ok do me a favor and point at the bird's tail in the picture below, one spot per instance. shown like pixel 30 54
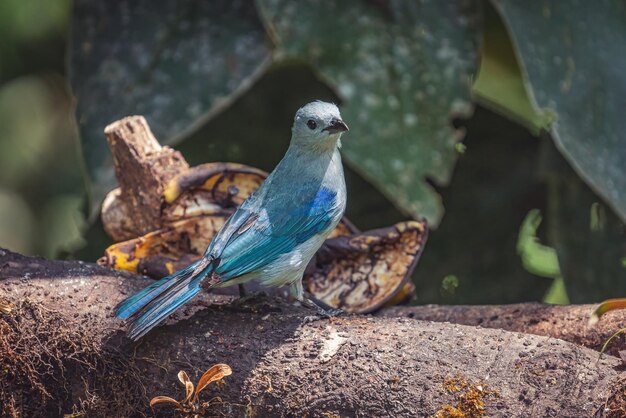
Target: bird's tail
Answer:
pixel 152 305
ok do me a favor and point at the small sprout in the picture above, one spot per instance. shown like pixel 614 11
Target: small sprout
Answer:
pixel 604 307
pixel 449 284
pixel 608 340
pixel 190 403
pixel 460 147
pixel 214 374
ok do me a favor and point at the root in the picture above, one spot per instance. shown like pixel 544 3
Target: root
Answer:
pixel 39 348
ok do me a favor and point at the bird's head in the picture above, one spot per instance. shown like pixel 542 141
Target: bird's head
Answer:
pixel 318 125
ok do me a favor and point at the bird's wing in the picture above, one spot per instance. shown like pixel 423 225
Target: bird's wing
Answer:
pixel 266 234
pixel 230 229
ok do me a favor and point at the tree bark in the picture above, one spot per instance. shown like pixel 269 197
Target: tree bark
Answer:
pixel 567 322
pixel 62 352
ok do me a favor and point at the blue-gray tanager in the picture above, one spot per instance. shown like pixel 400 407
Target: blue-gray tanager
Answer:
pixel 273 235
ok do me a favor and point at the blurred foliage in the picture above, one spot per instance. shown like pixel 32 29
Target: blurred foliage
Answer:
pixel 176 63
pixel 540 259
pixel 137 57
pixel 589 238
pixel 40 180
pixel 402 71
pixel 31 33
pixel 536 258
pixel 494 187
pixel 572 57
pixel 499 84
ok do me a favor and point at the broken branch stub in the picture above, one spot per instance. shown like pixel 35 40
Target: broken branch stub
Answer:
pixel 142 168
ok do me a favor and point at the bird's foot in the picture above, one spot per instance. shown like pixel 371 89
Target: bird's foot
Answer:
pixel 245 296
pixel 242 291
pixel 322 310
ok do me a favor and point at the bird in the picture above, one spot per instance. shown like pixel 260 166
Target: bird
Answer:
pixel 272 235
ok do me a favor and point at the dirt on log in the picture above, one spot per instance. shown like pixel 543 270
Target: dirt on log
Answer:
pixel 567 322
pixel 63 352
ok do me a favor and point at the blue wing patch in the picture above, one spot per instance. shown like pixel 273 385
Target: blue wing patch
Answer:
pixel 277 233
pixel 323 200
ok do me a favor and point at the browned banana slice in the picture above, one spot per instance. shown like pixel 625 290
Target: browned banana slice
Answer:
pixel 229 184
pixel 174 247
pixel 166 250
pixel 360 273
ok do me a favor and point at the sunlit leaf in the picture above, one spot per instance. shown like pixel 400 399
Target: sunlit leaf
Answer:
pixel 537 258
pixel 402 70
pixel 184 379
pixel 157 400
pixel 500 84
pixel 604 307
pixel 176 63
pixel 572 56
pixel 215 373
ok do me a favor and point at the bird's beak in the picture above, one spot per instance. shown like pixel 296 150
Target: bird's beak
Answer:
pixel 336 126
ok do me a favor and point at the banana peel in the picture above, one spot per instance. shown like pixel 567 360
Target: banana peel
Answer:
pixel 360 273
pixel 229 183
pixel 355 271
pixel 174 247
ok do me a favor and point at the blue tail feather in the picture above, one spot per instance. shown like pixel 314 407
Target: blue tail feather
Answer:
pixel 161 309
pixel 153 304
pixel 140 299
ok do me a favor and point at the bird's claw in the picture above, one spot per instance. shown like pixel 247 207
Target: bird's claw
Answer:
pixel 323 311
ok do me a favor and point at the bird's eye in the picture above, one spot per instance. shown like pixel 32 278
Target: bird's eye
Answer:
pixel 311 124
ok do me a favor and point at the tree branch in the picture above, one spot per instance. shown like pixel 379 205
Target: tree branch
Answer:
pixel 62 351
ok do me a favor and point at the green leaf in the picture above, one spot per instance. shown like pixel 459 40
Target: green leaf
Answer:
pixel 589 251
pixel 557 293
pixel 537 258
pixel 449 284
pixel 402 70
pixel 572 56
pixel 499 84
pixel 176 63
pixel 491 193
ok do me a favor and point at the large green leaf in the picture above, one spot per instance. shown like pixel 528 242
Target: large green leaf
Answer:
pixel 500 85
pixel 176 63
pixel 589 238
pixel 402 70
pixel 493 188
pixel 572 55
